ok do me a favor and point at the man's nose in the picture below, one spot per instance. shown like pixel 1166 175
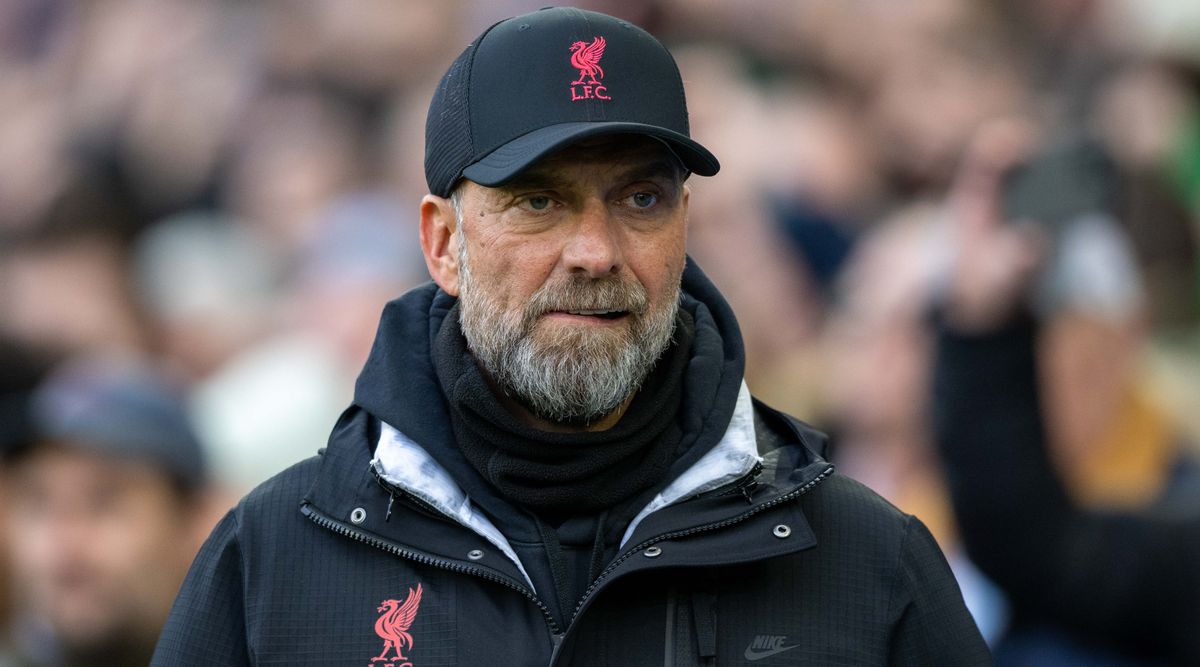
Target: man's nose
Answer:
pixel 594 246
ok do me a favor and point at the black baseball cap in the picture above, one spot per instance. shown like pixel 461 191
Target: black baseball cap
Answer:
pixel 535 83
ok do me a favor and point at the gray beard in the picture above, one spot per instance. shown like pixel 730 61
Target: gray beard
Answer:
pixel 571 375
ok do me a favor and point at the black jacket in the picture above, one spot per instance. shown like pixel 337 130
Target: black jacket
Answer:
pixel 790 564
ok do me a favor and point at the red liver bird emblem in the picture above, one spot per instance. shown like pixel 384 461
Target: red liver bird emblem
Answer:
pixel 586 58
pixel 392 626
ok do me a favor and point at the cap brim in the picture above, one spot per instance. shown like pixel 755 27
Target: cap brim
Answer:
pixel 502 164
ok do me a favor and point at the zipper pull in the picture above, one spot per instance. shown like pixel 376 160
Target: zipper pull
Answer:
pixel 749 483
pixel 391 499
pixel 746 492
pixel 556 640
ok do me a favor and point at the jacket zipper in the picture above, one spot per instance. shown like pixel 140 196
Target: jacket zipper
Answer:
pixel 685 533
pixel 454 566
pixel 747 483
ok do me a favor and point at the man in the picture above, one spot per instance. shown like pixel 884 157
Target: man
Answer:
pixel 551 457
pixel 104 514
pixel 1086 585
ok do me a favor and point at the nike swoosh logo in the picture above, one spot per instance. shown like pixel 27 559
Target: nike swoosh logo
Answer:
pixel 752 654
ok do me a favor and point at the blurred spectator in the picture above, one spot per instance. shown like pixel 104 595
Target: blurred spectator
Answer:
pixel 367 49
pixel 209 287
pixel 106 510
pixel 363 254
pixel 1069 492
pixel 732 229
pixel 299 375
pixel 298 151
pixel 1144 114
pixel 944 67
pixel 70 291
pixel 1110 438
pixel 22 368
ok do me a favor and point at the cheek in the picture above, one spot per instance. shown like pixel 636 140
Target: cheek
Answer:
pixel 512 272
pixel 658 262
pixel 32 547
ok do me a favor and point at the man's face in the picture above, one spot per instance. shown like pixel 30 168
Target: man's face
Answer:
pixel 569 276
pixel 98 547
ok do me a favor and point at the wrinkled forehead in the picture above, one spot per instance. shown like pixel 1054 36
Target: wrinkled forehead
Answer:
pixel 622 153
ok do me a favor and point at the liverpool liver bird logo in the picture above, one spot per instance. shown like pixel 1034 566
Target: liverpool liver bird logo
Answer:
pixel 392 626
pixel 586 58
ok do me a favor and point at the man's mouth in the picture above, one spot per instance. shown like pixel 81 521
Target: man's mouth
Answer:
pixel 602 314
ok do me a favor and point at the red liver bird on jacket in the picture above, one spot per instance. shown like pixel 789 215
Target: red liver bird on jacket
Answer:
pixel 392 626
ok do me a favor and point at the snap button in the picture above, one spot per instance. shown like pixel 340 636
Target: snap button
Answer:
pixel 475 554
pixel 652 552
pixel 358 516
pixel 781 531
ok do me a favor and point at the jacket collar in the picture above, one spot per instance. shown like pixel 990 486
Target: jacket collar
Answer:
pixel 348 491
pixel 404 464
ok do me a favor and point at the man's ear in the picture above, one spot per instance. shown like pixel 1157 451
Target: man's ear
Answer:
pixel 439 243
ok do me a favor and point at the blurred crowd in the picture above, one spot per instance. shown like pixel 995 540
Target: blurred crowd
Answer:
pixel 204 206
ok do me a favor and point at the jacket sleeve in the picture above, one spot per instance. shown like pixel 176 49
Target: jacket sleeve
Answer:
pixel 1129 580
pixel 207 623
pixel 934 626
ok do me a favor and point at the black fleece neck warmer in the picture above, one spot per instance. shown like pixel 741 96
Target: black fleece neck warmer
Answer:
pixel 557 475
pixel 400 386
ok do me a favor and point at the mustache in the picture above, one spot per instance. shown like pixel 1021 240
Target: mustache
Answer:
pixel 612 294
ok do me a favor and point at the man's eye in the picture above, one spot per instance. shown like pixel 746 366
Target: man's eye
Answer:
pixel 538 203
pixel 643 199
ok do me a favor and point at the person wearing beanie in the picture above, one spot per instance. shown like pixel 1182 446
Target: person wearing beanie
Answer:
pixel 552 456
pixel 104 500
